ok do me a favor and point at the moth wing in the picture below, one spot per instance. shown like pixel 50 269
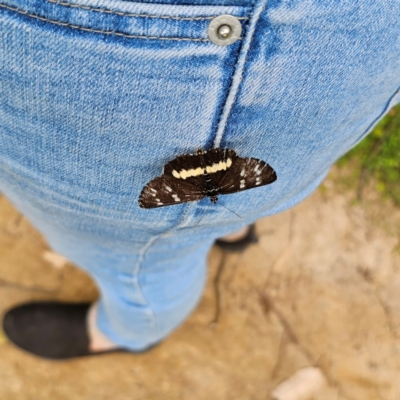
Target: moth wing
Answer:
pixel 186 162
pixel 246 173
pixel 166 190
pixel 182 162
pixel 194 161
pixel 214 156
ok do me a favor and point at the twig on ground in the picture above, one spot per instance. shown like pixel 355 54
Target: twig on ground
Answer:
pixel 268 304
pixel 18 220
pixel 279 357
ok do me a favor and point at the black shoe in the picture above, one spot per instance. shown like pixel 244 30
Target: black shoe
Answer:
pixel 52 330
pixel 241 244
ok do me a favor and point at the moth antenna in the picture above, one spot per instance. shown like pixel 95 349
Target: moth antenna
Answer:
pixel 204 213
pixel 231 210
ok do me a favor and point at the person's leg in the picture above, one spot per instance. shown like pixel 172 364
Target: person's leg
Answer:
pixel 88 119
pixel 149 282
pixel 141 304
pixel 93 105
pixel 149 293
pixel 97 340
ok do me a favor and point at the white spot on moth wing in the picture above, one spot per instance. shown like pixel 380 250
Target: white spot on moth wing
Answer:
pixel 243 172
pixel 160 204
pixel 153 190
pixel 257 169
pixel 175 197
pixel 258 181
pixel 168 188
pixel 242 184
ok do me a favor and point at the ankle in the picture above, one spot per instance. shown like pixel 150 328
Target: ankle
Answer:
pixel 97 340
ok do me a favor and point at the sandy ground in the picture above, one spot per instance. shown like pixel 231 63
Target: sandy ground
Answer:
pixel 321 288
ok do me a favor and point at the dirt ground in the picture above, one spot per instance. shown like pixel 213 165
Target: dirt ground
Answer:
pixel 321 288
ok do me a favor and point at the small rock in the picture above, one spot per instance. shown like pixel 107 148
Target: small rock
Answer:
pixel 303 385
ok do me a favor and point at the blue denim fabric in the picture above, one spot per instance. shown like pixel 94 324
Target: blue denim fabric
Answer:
pixel 97 95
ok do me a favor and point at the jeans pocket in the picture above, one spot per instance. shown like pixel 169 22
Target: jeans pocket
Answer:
pixel 125 19
pixel 97 95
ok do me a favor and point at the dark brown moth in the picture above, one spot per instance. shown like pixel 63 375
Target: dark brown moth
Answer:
pixel 192 177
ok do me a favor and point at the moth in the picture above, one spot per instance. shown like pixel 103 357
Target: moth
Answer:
pixel 192 177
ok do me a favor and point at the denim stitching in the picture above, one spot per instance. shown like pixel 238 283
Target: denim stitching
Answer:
pixel 146 248
pixel 236 81
pixel 136 273
pixel 98 30
pixel 389 104
pixel 127 14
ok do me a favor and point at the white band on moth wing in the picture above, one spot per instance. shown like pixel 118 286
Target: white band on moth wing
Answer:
pixel 210 169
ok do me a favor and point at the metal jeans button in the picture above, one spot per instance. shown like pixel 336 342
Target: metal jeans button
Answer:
pixel 224 30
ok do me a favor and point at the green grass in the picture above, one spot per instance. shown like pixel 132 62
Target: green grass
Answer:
pixel 377 158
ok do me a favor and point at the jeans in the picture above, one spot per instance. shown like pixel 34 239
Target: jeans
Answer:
pixel 97 95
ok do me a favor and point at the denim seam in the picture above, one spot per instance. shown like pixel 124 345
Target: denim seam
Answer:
pixel 237 78
pixel 142 255
pixel 389 104
pixel 65 24
pixel 128 14
pixel 136 272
